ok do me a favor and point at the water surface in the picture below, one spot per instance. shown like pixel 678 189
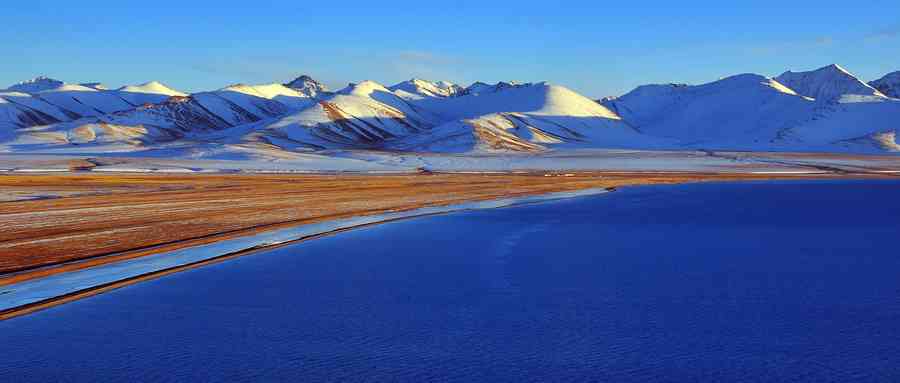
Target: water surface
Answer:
pixel 712 282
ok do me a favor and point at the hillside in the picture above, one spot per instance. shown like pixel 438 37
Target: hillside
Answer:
pixel 361 115
pixel 889 85
pixel 740 110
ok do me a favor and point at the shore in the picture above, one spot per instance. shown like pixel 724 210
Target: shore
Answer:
pixel 63 223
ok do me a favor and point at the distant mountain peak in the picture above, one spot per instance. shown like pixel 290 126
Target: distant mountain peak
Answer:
pixel 307 85
pixel 827 83
pixel 837 68
pixel 416 87
pixel 364 88
pixel 152 87
pixel 479 87
pixel 889 85
pixel 303 79
pixel 95 85
pixel 37 84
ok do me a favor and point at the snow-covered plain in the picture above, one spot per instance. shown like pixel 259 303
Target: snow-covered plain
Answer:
pixel 301 125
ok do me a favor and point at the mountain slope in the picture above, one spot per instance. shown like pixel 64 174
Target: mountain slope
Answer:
pixel 13 117
pixel 361 115
pixel 34 110
pixel 84 101
pixel 67 102
pixel 856 123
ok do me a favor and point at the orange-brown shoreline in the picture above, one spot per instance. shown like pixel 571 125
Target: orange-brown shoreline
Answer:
pixel 354 194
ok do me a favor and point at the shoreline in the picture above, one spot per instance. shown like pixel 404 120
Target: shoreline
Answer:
pixel 67 220
pixel 244 246
pixel 58 284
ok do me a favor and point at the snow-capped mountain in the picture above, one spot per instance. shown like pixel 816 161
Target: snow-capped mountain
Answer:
pixel 889 85
pixel 526 118
pixel 417 88
pixel 307 86
pixel 744 109
pixel 827 109
pixel 95 85
pixel 523 118
pixel 152 92
pixel 65 102
pixel 483 88
pixel 826 84
pixel 143 115
pixel 832 111
pixel 36 85
pixel 361 115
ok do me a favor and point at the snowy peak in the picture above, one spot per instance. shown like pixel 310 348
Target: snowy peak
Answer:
pixel 423 88
pixel 483 88
pixel 826 84
pixel 538 98
pixel 95 85
pixel 152 92
pixel 152 87
pixel 363 115
pixel 307 85
pixel 364 89
pixel 835 68
pixel 889 85
pixel 290 97
pixel 750 80
pixel 37 84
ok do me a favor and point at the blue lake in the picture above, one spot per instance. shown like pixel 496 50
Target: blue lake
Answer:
pixel 769 281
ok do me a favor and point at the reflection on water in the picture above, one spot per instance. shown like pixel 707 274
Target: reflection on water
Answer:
pixel 712 282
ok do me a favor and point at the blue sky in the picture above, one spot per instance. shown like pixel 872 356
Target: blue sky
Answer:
pixel 595 47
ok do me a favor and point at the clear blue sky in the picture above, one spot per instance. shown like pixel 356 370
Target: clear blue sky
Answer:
pixel 595 47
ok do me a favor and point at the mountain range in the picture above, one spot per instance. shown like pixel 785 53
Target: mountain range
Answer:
pixel 825 110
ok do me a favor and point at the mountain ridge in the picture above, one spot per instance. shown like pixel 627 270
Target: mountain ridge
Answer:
pixel 826 84
pixel 826 109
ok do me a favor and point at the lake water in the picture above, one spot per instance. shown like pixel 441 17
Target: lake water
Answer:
pixel 709 282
